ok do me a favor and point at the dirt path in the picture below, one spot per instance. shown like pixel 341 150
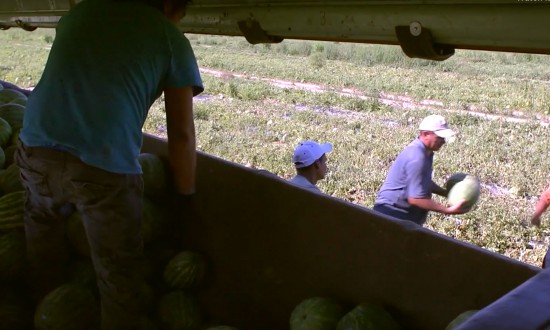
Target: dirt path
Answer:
pixel 392 100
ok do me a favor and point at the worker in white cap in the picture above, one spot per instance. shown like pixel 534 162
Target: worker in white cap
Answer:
pixel 407 191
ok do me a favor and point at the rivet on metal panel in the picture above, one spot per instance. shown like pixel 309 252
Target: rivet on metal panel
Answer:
pixel 415 28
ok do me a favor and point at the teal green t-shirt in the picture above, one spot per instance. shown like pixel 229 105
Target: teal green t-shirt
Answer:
pixel 109 62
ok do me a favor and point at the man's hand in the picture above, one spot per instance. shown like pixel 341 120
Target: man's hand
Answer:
pixel 456 208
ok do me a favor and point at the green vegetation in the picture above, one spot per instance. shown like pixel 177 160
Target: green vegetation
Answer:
pixel 261 100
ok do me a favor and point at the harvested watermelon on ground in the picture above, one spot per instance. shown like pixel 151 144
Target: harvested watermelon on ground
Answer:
pixel 68 307
pixel 185 271
pixel 316 313
pixel 12 254
pixel 368 316
pixel 11 210
pixel 461 318
pixel 179 310
pixel 154 175
pixel 467 189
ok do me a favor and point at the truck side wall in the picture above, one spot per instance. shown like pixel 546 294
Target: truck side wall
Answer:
pixel 271 245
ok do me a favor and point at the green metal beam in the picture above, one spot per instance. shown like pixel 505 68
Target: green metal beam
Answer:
pixel 517 26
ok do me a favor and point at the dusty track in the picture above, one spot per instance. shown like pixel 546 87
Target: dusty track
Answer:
pixel 392 100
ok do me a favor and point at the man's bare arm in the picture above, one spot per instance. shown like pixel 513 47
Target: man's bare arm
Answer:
pixel 181 138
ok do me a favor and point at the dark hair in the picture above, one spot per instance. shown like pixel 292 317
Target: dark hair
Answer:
pixel 159 4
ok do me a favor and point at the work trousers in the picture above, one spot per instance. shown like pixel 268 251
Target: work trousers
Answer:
pixel 110 204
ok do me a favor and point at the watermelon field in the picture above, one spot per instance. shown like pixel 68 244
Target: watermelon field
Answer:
pixel 367 100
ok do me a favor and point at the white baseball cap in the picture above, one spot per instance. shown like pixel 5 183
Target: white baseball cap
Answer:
pixel 436 124
pixel 307 152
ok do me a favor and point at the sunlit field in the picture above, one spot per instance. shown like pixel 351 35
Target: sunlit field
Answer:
pixel 367 100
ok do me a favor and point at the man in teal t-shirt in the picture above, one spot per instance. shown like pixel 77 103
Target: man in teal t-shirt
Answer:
pixel 82 135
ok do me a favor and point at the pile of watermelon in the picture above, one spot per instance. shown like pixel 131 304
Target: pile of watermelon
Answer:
pixel 175 275
pixel 323 313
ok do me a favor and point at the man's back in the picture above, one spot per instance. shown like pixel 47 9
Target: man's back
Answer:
pixel 108 64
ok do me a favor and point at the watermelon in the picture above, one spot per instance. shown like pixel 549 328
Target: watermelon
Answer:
pixel 467 189
pixel 8 95
pixel 69 306
pixel 9 153
pixel 316 313
pixel 461 318
pixel 10 180
pixel 154 175
pixel 13 114
pixel 185 271
pixel 19 101
pixel 5 133
pixel 12 210
pixel 368 316
pixel 77 234
pixel 12 254
pixel 179 310
pixel 453 179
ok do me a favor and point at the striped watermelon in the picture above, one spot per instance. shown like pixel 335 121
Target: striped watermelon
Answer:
pixel 185 271
pixel 5 133
pixel 467 189
pixel 8 95
pixel 12 254
pixel 13 114
pixel 68 307
pixel 10 180
pixel 317 313
pixel 368 317
pixel 11 210
pixel 154 175
pixel 9 153
pixel 179 310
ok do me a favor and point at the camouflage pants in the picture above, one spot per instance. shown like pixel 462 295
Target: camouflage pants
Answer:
pixel 58 183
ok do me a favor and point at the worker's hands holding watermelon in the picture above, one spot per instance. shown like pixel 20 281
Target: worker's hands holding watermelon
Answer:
pixel 457 208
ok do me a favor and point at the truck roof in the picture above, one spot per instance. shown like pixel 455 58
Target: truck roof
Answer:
pixel 430 29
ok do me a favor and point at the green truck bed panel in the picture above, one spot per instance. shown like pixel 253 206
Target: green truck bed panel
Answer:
pixel 271 245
